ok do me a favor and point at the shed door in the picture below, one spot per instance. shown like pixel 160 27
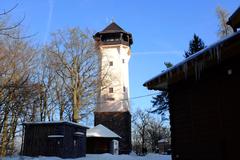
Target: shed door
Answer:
pixel 78 144
pixel 55 146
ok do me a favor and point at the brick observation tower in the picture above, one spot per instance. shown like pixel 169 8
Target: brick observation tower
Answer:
pixel 113 108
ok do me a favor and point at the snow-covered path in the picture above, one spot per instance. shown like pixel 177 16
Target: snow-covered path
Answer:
pixel 100 157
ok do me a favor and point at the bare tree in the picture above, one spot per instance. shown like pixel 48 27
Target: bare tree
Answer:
pixel 147 131
pixel 17 91
pixel 141 123
pixel 45 77
pixel 75 61
pixel 223 28
pixel 6 26
pixel 155 133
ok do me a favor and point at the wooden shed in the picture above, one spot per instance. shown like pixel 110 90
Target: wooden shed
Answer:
pixel 204 102
pixel 61 139
pixel 100 139
pixel 164 146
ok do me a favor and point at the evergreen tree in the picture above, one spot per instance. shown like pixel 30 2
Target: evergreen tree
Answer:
pixel 195 45
pixel 160 103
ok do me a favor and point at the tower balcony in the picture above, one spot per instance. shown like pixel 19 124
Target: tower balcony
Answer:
pixel 113 42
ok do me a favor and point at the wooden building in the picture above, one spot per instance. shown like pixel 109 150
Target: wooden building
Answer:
pixel 61 139
pixel 100 139
pixel 204 101
pixel 164 146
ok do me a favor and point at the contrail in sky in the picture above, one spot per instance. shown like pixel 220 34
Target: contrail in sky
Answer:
pixel 157 52
pixel 49 20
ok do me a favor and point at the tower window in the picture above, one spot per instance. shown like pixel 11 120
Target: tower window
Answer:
pixel 111 63
pixel 123 60
pixel 110 99
pixel 124 89
pixel 110 90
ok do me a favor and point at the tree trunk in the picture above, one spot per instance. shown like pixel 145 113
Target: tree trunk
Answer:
pixel 41 104
pixel 12 133
pixel 61 103
pixel 143 144
pixel 44 105
pixel 1 126
pixel 3 150
pixel 61 111
pixel 75 107
pixel 33 118
pixel 75 88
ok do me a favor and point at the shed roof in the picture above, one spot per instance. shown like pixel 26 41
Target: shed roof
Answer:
pixel 101 131
pixel 53 122
pixel 195 64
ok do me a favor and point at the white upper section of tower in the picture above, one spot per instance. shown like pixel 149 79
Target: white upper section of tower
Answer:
pixel 114 93
pixel 114 46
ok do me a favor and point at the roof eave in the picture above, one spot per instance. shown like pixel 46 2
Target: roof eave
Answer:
pixel 170 76
pixel 234 19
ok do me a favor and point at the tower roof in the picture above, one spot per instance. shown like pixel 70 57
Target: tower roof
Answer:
pixel 111 31
pixel 113 27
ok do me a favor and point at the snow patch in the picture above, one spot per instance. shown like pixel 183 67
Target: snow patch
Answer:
pixel 105 156
pixel 55 136
pixel 78 133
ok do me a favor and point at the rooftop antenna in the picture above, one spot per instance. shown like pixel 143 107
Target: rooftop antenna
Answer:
pixel 109 20
pixel 112 20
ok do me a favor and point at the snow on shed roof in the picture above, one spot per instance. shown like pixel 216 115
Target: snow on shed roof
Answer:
pixel 53 122
pixel 101 131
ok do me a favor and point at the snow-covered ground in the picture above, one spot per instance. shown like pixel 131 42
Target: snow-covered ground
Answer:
pixel 105 156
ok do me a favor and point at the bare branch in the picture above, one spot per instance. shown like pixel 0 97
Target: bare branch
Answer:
pixel 8 11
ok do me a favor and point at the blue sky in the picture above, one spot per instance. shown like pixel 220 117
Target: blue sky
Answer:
pixel 161 29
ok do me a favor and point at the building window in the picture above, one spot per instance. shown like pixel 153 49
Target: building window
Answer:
pixel 110 90
pixel 123 60
pixel 111 63
pixel 124 89
pixel 110 99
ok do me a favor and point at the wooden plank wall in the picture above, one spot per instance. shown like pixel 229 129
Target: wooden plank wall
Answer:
pixel 120 123
pixel 204 114
pixel 98 145
pixel 36 141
